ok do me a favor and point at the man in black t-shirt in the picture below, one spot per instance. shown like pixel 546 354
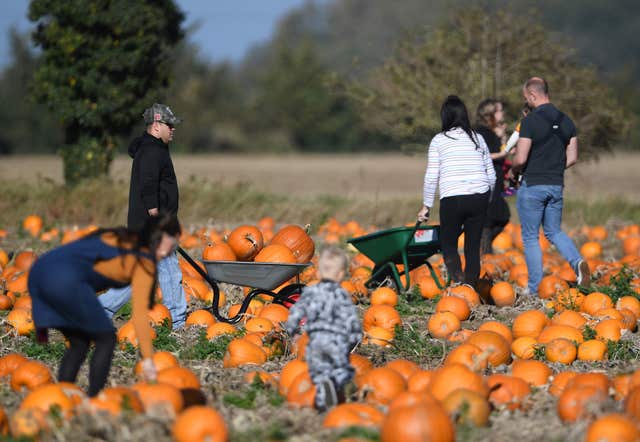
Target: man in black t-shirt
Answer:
pixel 548 145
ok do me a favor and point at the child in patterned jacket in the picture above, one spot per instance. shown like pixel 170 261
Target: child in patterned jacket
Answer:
pixel 333 326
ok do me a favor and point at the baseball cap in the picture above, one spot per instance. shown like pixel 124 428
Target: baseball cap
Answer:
pixel 162 113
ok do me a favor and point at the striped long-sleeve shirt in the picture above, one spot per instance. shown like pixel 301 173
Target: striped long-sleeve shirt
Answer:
pixel 457 166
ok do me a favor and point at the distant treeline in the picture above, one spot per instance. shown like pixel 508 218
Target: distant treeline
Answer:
pixel 366 75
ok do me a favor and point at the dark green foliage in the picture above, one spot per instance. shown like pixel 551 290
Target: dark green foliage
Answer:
pixel 50 352
pixel 103 62
pixel 619 285
pixel 247 397
pixel 204 349
pixel 414 345
pixel 360 433
pixel 164 340
pixel 623 350
pixel 589 333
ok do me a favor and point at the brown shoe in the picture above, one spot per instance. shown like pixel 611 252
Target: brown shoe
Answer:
pixel 584 275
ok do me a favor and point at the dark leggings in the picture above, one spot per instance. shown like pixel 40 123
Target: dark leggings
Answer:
pixel 75 355
pixel 456 213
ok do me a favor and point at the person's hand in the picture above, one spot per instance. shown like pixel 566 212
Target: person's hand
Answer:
pixel 153 212
pixel 423 214
pixel 149 370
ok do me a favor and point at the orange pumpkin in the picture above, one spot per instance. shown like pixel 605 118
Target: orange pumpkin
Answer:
pixel 453 376
pixel 550 285
pixel 296 239
pixel 220 328
pixel 353 415
pixel 560 382
pixel 592 350
pixel 161 359
pixel 524 347
pixel 9 362
pixel 552 332
pixel 468 407
pixel 529 323
pixel 246 242
pixel 576 402
pixel 21 321
pixel 159 398
pixel 219 251
pixel 160 315
pixel 532 372
pixel 468 355
pixel 441 325
pixel 418 423
pixel 613 427
pixel 289 372
pixel 596 301
pixel 498 349
pixel 242 352
pixel 199 424
pixel 499 328
pixel 276 253
pixel 561 350
pixel 383 316
pixel 382 385
pixel 302 391
pixel 200 318
pixel 30 375
pixel 384 295
pixel 378 336
pixel 508 391
pixel 502 294
pixel 455 305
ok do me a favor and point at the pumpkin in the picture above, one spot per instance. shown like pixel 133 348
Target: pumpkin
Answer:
pixel 419 381
pixel 127 335
pixel 30 375
pixel 577 402
pixel 596 301
pixel 9 362
pixel 381 385
pixel 453 376
pixel 378 336
pixel 498 349
pixel 443 324
pixel 6 303
pixel 533 372
pixel 353 415
pixel 497 327
pixel 524 347
pixel 259 325
pixel 21 321
pixel 114 400
pixel 219 251
pixel 261 376
pixel 220 328
pixel 200 424
pixel 28 423
pixel 160 315
pixel 384 295
pixel 550 285
pixel 592 350
pixel 428 287
pixel 46 396
pixel 200 318
pixel 560 382
pixel 24 260
pixel 570 318
pixel 502 294
pixel 621 385
pixel 457 306
pixel 469 355
pixel 468 407
pixel 276 253
pixel 569 299
pixel 467 293
pixel 246 242
pixel 242 352
pixel 160 398
pixel 629 302
pixel 296 239
pixel 597 380
pixel 161 360
pixel 288 373
pixel 609 330
pixel 403 366
pixel 383 316
pixel 508 391
pixel 529 323
pixel 419 423
pixel 23 302
pixel 561 350
pixel 275 313
pixel 613 427
pixel 301 392
pixel 551 332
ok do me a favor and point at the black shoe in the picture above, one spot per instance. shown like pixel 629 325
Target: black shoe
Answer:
pixel 330 395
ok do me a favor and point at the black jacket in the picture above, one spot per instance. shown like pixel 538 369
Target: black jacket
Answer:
pixel 153 180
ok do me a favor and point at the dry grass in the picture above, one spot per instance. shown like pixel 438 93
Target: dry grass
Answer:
pixel 368 176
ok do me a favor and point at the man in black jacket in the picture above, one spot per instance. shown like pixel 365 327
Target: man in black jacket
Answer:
pixel 153 188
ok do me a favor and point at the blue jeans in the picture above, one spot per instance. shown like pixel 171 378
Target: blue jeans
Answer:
pixel 542 205
pixel 169 280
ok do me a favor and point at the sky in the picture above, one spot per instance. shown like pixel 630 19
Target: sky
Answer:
pixel 226 28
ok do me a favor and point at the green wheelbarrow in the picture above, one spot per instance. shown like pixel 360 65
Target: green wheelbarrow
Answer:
pixel 409 246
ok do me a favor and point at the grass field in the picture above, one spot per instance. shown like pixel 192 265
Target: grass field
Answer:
pixel 369 176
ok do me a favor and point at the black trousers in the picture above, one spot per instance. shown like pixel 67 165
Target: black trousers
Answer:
pixel 457 214
pixel 79 341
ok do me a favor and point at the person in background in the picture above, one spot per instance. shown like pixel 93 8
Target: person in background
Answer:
pixel 490 124
pixel 512 187
pixel 459 163
pixel 154 188
pixel 548 145
pixel 64 281
pixel 332 323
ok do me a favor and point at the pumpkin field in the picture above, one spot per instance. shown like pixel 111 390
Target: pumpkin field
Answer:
pixel 435 363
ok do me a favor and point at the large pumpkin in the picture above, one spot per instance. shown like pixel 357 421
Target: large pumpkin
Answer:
pixel 421 422
pixel 297 240
pixel 219 251
pixel 200 424
pixel 246 242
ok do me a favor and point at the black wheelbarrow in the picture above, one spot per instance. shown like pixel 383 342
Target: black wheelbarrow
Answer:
pixel 409 246
pixel 262 277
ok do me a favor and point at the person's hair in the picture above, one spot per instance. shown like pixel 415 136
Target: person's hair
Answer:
pixel 538 85
pixel 454 114
pixel 331 261
pixel 485 114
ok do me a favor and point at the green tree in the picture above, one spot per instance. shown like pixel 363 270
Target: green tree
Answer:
pixel 103 62
pixel 295 96
pixel 466 57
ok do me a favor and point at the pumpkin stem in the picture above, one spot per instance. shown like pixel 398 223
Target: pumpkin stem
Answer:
pixel 307 228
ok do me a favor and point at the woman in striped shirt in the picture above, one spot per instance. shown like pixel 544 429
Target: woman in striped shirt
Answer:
pixel 459 164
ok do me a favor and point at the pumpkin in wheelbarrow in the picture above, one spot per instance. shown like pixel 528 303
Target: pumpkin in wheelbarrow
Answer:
pixel 296 239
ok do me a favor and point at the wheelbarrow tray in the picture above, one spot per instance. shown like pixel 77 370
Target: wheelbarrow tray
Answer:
pixel 261 275
pixel 390 245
